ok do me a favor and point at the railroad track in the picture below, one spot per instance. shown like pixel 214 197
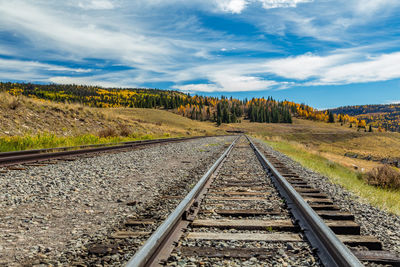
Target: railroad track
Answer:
pixel 245 211
pixel 33 156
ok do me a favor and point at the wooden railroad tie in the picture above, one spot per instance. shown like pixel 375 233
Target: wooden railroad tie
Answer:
pixel 244 224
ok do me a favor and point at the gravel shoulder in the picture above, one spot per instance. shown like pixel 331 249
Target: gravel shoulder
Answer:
pixel 381 224
pixel 50 212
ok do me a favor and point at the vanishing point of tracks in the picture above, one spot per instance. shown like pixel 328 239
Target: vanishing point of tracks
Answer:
pixel 247 212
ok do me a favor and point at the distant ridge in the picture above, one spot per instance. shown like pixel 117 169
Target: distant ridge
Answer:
pixel 386 116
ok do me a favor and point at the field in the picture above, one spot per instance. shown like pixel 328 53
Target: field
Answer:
pixel 330 140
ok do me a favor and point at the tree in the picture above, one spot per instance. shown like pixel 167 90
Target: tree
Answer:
pixel 362 124
pixel 331 118
pixel 225 115
pixel 233 118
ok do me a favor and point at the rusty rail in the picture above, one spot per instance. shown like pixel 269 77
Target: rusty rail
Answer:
pixel 147 254
pixel 331 251
pixel 26 156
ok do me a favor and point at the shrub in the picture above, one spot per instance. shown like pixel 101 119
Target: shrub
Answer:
pixel 125 131
pixel 107 132
pixel 14 104
pixel 384 176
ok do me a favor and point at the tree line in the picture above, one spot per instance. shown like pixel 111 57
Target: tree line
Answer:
pixel 219 110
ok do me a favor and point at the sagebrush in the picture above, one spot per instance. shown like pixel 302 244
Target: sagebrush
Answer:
pixel 384 176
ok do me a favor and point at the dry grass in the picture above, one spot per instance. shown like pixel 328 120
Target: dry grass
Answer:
pixel 331 141
pixel 107 132
pixel 33 116
pixel 124 131
pixel 384 198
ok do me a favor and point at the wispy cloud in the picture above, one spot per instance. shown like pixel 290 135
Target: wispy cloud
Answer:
pixel 32 70
pixel 303 42
pixel 343 68
pixel 393 102
pixel 268 4
pixel 227 83
pixel 96 4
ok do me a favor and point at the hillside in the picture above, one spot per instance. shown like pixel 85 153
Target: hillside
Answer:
pixel 28 117
pixel 202 108
pixel 384 116
pixel 343 145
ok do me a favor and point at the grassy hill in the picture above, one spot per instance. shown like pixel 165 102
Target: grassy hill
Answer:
pixel 384 116
pixel 32 123
pixel 344 145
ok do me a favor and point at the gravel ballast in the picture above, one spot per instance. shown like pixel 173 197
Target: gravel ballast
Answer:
pixel 381 224
pixel 49 214
pixel 241 167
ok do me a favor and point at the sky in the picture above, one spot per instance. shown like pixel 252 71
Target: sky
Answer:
pixel 325 53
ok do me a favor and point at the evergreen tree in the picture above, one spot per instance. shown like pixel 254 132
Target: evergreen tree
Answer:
pixel 331 118
pixel 233 118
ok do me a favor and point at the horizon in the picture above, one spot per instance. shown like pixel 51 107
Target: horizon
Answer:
pixel 300 50
pixel 218 95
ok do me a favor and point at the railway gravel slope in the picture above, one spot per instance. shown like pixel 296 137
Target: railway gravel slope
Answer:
pixel 52 214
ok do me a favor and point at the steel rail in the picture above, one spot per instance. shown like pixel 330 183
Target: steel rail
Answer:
pixel 11 158
pixel 331 251
pixel 144 255
pixel 47 150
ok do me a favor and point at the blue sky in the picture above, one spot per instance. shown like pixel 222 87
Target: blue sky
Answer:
pixel 325 53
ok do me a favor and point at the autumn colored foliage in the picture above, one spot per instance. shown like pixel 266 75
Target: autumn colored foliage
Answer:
pixel 219 110
pixel 382 117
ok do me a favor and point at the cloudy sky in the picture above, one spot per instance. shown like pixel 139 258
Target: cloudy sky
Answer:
pixel 325 53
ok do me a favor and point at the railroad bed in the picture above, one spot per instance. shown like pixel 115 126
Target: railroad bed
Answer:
pixel 99 209
pixel 67 212
pixel 67 153
pixel 238 217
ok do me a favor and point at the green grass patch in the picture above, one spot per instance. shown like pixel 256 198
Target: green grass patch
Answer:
pixel 383 198
pixel 48 140
pixel 212 144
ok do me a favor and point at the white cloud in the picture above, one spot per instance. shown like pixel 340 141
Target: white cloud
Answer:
pixel 304 66
pixel 94 81
pixel 232 6
pixel 268 4
pixel 33 71
pixel 380 68
pixel 371 7
pixel 96 4
pixel 393 102
pixel 342 68
pixel 201 87
pixel 81 38
pixel 15 65
pixel 229 81
pixel 180 49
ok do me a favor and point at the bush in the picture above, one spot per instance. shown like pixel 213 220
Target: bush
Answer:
pixel 14 104
pixel 384 176
pixel 107 132
pixel 125 131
